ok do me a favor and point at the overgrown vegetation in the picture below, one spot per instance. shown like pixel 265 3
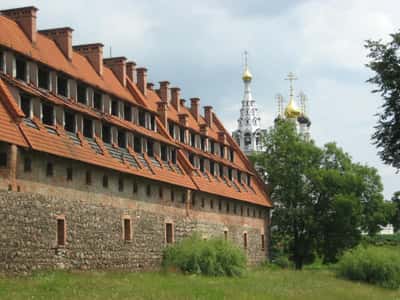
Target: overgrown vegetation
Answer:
pixel 215 257
pixel 376 265
pixel 382 240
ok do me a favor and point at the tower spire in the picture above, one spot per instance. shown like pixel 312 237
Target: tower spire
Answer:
pixel 246 72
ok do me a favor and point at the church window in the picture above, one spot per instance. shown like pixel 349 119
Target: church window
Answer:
pixel 43 78
pixel 82 93
pixel 27 164
pixel 47 114
pixel 61 232
pixel 247 139
pixel 97 101
pixel 3 159
pixel 69 121
pixel 69 174
pixel 26 105
pixel 62 86
pixel 21 71
pixel 49 169
pixel 127 229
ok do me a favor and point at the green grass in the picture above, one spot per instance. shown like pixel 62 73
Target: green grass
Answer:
pixel 259 284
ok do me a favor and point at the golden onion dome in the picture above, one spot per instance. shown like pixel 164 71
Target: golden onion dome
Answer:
pixel 292 111
pixel 247 75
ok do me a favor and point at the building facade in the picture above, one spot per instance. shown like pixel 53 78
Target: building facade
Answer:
pixel 100 170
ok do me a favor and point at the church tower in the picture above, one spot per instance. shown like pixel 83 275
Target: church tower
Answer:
pixel 249 135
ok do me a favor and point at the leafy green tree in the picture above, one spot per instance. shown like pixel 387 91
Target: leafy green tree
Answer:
pixel 395 211
pixel 385 62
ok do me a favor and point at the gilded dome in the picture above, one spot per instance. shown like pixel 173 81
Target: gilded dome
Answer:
pixel 247 75
pixel 292 111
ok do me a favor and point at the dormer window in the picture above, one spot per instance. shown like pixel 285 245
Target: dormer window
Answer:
pixel 121 139
pixel 47 113
pixel 69 121
pixel 164 155
pixel 171 129
pixel 87 128
pixel 152 122
pixel 137 144
pixel 221 170
pixel 222 151
pixel 62 85
pixel 203 143
pixel 230 174
pixel 248 180
pixel 232 155
pixel 114 108
pixel 192 139
pixel 212 145
pixel 127 112
pixel 21 69
pixel 239 176
pixel 202 164
pixel 142 118
pixel 212 167
pixel 97 101
pixel 26 105
pixel 150 148
pixel 173 156
pixel 82 93
pixel 43 78
pixel 182 134
pixel 191 158
pixel 106 134
pixel 2 67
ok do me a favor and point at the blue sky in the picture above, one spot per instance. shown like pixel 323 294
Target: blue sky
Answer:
pixel 198 45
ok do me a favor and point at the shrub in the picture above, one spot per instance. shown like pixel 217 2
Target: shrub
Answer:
pixel 282 262
pixel 382 240
pixel 214 257
pixel 377 265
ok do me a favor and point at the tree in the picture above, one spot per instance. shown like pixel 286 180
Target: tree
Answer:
pixel 395 212
pixel 385 62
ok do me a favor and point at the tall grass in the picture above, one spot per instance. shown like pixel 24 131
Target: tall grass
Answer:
pixel 376 265
pixel 214 257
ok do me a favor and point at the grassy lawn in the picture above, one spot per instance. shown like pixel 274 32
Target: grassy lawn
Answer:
pixel 260 284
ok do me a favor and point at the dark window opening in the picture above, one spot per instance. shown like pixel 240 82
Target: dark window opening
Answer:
pixel 219 205
pixel 241 210
pixel 87 128
pixel 234 208
pixel 49 170
pixel 164 155
pixel 60 232
pixel 230 174
pixel 172 196
pixel 3 159
pixel 227 207
pixel 212 168
pixel 121 139
pixel 135 187
pixel 171 129
pixel 169 233
pixel 173 154
pixel 88 178
pixel 62 86
pixel 127 229
pixel 262 242
pixel 212 147
pixel 47 114
pixel 259 213
pixel 245 240
pixel 142 118
pixel 192 139
pixel 183 197
pixel 225 235
pixel 221 170
pixel 2 61
pixel 222 151
pixel 182 134
pixel 202 202
pixel 152 122
pixel 26 105
pixel 148 190
pixel 27 165
pixel 105 181
pixel 202 164
pixel 239 176
pixel 114 108
pixel 150 148
pixel 160 192
pixel 248 211
pixel 137 144
pixel 69 174
pixel 82 94
pixel 232 155
pixel 203 143
pixel 212 204
pixel 191 158
pixel 106 134
pixel 43 78
pixel 20 69
pixel 193 199
pixel 97 101
pixel 254 212
pixel 127 112
pixel 120 184
pixel 69 119
pixel 248 180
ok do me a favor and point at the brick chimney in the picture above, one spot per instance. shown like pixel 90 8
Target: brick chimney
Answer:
pixel 26 19
pixel 62 37
pixel 94 54
pixel 208 115
pixel 164 90
pixel 162 109
pixel 118 66
pixel 204 129
pixel 175 98
pixel 130 70
pixel 150 86
pixel 195 108
pixel 183 119
pixel 142 80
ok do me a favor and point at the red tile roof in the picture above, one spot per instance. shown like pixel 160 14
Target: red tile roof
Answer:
pixel 56 141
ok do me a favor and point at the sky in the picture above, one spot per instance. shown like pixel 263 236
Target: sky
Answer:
pixel 199 45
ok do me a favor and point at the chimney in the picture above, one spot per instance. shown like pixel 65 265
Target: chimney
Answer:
pixel 183 119
pixel 204 129
pixel 164 90
pixel 26 19
pixel 130 70
pixel 142 80
pixel 162 109
pixel 118 66
pixel 208 115
pixel 195 108
pixel 62 37
pixel 94 54
pixel 222 137
pixel 175 95
pixel 150 86
pixel 182 101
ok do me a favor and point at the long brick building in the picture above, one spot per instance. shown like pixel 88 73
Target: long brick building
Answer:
pixel 98 169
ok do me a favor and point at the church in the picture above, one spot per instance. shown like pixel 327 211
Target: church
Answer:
pixel 101 169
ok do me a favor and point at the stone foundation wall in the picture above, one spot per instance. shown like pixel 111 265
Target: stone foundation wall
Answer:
pixel 94 232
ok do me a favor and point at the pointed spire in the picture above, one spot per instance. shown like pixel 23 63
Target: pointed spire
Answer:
pixel 246 72
pixel 291 110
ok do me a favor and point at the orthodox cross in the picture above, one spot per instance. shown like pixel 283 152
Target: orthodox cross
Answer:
pixel 279 99
pixel 291 77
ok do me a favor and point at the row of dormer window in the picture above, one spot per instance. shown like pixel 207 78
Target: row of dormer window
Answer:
pixel 61 84
pixel 201 142
pixel 109 134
